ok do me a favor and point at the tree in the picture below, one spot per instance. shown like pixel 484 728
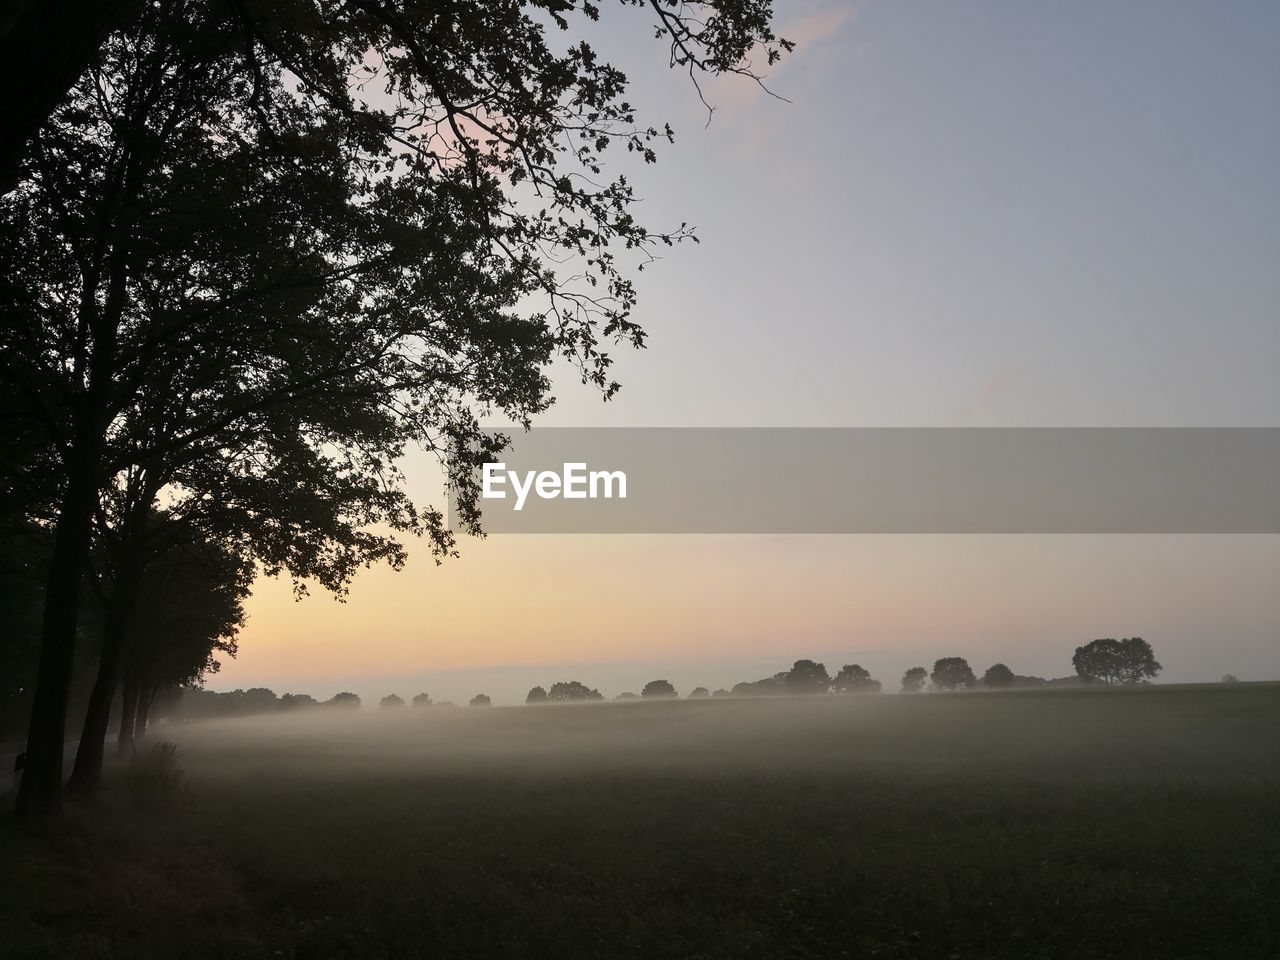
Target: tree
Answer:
pixel 422 700
pixel 952 673
pixel 536 696
pixel 768 687
pixel 722 692
pixel 194 605
pixel 413 282
pixel 391 702
pixel 572 690
pixel 1116 661
pixel 658 690
pixel 807 678
pixel 297 701
pixel 49 43
pixel 625 696
pixel 699 693
pixel 998 676
pixel 854 678
pixel 344 701
pixel 914 679
pixel 480 700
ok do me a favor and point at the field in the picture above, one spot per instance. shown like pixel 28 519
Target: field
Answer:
pixel 1054 824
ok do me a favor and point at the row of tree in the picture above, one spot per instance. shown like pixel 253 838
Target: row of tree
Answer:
pixel 1101 661
pixel 253 251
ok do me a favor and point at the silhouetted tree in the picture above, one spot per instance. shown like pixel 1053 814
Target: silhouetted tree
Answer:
pixel 625 696
pixel 699 693
pixel 768 687
pixel 1116 661
pixel 390 702
pixel 252 260
pixel 572 690
pixel 806 678
pixel 853 678
pixel 480 700
pixel 536 695
pixel 952 673
pixel 998 676
pixel 658 690
pixel 722 692
pixel 344 701
pixel 194 602
pixel 422 700
pixel 297 701
pixel 482 75
pixel 913 680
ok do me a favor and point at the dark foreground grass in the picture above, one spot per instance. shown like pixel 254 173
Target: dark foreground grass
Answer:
pixel 1058 824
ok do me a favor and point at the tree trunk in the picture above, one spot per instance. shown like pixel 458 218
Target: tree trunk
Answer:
pixel 87 772
pixel 128 715
pixel 144 710
pixel 40 793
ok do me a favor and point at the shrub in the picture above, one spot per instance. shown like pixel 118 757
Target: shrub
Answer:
pixel 155 781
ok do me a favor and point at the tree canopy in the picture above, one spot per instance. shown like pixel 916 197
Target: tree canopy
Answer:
pixel 1116 661
pixel 853 678
pixel 659 689
pixel 953 673
pixel 266 245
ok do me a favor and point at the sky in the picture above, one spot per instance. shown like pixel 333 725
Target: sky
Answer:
pixel 977 214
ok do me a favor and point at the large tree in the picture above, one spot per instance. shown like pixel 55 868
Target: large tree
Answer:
pixel 1116 661
pixel 855 678
pixel 952 673
pixel 194 608
pixel 230 250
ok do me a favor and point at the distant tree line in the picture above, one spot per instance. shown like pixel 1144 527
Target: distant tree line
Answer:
pixel 1100 662
pixel 1103 662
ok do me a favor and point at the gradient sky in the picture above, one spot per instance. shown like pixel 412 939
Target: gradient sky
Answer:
pixel 969 214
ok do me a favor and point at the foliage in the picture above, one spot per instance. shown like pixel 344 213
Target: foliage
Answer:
pixel 807 677
pixel 480 700
pixel 344 701
pixel 699 693
pixel 998 676
pixel 854 678
pixel 422 700
pixel 265 247
pixel 1116 661
pixel 572 690
pixel 914 679
pixel 952 673
pixel 391 702
pixel 658 689
pixel 536 695
pixel 625 696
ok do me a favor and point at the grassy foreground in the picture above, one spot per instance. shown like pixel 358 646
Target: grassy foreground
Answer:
pixel 1054 824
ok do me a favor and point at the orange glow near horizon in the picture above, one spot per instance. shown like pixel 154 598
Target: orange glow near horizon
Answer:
pixel 526 601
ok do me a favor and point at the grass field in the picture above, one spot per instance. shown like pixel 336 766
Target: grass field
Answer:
pixel 1055 824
